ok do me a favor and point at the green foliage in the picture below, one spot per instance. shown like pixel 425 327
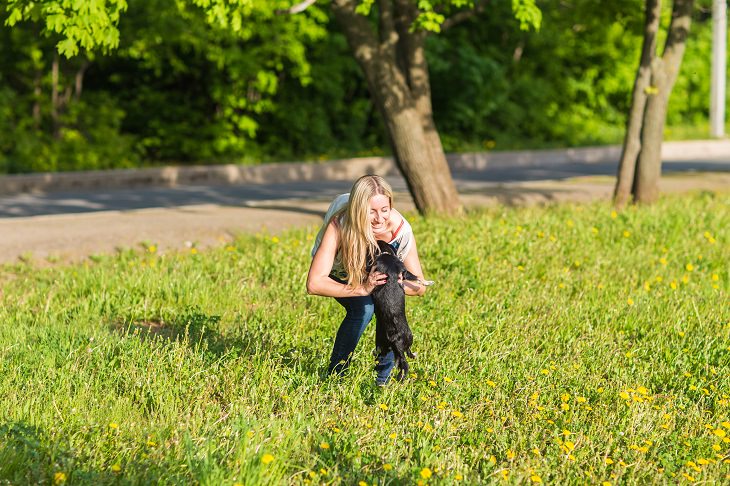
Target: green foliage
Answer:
pixel 211 81
pixel 207 367
pixel 80 24
pixel 527 13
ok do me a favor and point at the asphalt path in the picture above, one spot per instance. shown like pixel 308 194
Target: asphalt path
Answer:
pixel 263 195
pixel 53 227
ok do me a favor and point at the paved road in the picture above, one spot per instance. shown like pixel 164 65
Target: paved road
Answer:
pixel 259 195
pixel 66 226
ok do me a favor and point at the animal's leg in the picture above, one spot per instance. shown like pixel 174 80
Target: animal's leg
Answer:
pixel 401 363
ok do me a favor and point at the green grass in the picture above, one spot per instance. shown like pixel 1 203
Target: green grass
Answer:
pixel 562 344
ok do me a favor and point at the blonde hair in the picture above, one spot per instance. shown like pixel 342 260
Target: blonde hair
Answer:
pixel 357 241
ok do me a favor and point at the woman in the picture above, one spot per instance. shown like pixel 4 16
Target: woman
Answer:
pixel 353 224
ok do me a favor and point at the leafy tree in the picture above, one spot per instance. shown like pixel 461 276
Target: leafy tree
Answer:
pixel 194 74
pixel 640 165
pixel 388 38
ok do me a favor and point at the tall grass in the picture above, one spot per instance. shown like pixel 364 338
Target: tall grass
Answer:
pixel 564 344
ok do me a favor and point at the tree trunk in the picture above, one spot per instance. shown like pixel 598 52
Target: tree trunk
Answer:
pixel 640 165
pixel 37 93
pixel 664 75
pixel 632 140
pixel 394 65
pixel 55 97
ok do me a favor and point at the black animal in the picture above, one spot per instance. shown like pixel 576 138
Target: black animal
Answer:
pixel 391 327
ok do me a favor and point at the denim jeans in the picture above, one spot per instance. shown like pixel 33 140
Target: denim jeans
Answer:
pixel 359 313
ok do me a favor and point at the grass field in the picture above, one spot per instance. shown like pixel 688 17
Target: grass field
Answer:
pixel 560 345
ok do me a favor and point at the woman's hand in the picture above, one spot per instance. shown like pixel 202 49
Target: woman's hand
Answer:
pixel 374 279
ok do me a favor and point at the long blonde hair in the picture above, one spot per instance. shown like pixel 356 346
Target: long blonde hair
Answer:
pixel 357 241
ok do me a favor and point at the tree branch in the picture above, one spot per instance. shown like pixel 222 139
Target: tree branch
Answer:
pixel 463 15
pixel 298 8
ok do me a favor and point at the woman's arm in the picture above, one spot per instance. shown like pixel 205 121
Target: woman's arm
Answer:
pixel 318 280
pixel 413 265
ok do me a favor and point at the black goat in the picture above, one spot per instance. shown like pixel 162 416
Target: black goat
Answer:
pixel 391 328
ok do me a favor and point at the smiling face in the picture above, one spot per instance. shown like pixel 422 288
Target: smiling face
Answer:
pixel 379 214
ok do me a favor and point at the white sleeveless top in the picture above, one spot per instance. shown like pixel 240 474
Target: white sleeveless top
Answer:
pixel 402 240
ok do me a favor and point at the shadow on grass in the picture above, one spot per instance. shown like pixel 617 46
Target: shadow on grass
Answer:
pixel 28 455
pixel 201 332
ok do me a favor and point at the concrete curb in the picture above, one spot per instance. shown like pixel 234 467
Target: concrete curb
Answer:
pixel 343 169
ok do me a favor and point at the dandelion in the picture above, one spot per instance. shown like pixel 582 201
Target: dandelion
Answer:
pixel 609 461
pixel 630 301
pixel 324 445
pixel 426 473
pixel 431 383
pixel 393 435
pixel 606 483
pixel 59 478
pixel 720 433
pixel 274 239
pixel 491 383
pixel 614 215
pixel 194 251
pixel 387 467
pixel 689 267
pixel 581 399
pixel 447 379
pixel 535 478
pixel 505 474
pixel 457 414
pixel 458 477
pixel 116 468
pixel 113 425
pixel 267 458
pixel 383 406
pixel 627 234
pixel 510 454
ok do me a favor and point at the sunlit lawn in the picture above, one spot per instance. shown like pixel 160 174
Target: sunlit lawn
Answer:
pixel 565 344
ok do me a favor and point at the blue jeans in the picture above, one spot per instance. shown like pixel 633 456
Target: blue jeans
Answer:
pixel 360 312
